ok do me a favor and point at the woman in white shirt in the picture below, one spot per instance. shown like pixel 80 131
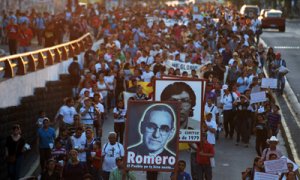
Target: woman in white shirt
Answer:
pixel 111 82
pixel 103 88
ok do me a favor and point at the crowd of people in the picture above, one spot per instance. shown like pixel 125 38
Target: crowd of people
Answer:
pixel 137 43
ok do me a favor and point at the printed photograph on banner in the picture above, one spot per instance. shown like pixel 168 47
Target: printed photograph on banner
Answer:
pixel 152 135
pixel 190 93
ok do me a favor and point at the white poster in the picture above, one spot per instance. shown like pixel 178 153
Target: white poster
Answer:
pixel 276 166
pixel 183 66
pixel 269 83
pixel 258 97
pixel 265 176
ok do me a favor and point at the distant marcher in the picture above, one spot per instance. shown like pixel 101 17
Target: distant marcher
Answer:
pixel 14 148
pixel 120 173
pixel 46 136
pixel 74 169
pixel 75 72
pixel 179 173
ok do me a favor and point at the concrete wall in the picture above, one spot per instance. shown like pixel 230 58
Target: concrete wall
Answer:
pixel 12 90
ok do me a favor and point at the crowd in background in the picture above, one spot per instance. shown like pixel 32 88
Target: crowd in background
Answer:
pixel 135 49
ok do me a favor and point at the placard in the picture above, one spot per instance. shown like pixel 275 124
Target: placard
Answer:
pixel 190 93
pixel 265 176
pixel 269 83
pixel 258 97
pixel 188 67
pixel 290 161
pixel 276 166
pixel 189 135
pixel 152 135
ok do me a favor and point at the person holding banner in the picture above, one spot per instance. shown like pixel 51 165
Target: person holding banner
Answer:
pixel 258 166
pixel 227 101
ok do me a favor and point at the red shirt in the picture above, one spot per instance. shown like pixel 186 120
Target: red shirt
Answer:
pixel 207 148
pixel 96 162
pixel 25 36
pixel 12 31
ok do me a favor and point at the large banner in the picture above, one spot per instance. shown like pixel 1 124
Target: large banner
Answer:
pixel 188 67
pixel 190 93
pixel 152 135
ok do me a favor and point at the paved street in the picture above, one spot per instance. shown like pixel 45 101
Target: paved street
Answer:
pixel 288 44
pixel 230 160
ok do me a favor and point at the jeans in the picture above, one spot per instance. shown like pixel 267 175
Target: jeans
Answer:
pixel 14 168
pixel 23 49
pixel 280 83
pixel 204 171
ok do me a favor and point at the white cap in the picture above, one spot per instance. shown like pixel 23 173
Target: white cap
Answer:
pixel 225 86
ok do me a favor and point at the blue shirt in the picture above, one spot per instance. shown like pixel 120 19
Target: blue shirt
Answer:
pixel 46 137
pixel 183 176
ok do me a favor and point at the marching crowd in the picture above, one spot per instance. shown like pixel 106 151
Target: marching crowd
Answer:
pixel 135 49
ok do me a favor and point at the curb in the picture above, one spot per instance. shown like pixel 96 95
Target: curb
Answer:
pixel 294 107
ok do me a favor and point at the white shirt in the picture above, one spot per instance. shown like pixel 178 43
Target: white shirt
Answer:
pixel 100 107
pixel 213 110
pixel 67 113
pixel 121 112
pixel 211 138
pixel 89 117
pixel 79 143
pixel 110 153
pixel 146 76
pixel 227 100
pixel 148 60
pixel 81 93
pixel 110 81
pixel 98 67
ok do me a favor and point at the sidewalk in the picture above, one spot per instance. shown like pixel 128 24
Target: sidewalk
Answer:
pixel 34 46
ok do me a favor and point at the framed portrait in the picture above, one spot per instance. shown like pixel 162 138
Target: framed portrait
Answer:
pixel 191 94
pixel 152 135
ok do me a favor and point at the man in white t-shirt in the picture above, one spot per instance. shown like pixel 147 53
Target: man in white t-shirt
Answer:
pixel 110 152
pixel 145 58
pixel 213 109
pixel 78 143
pixel 66 113
pixel 211 129
pixel 147 74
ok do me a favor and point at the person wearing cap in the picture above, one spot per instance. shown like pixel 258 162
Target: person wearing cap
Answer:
pixel 119 173
pixel 272 149
pixel 227 100
pixel 45 138
pixel 110 152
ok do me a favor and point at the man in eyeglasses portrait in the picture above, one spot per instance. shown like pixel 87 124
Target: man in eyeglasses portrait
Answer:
pixel 157 128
